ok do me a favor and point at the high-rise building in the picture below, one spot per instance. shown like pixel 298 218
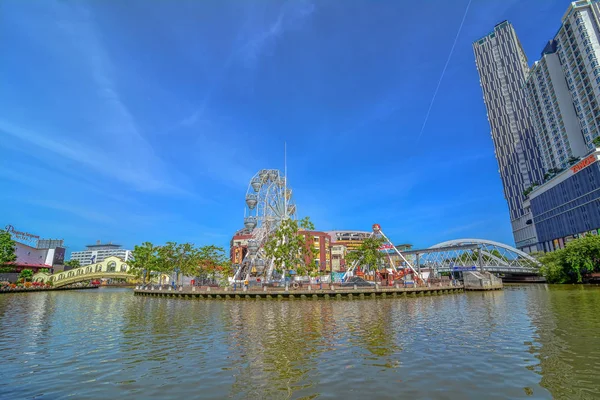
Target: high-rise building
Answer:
pixel 578 49
pixel 503 68
pixel 98 252
pixel 558 133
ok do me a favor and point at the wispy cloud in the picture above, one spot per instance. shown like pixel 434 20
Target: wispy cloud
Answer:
pixel 82 212
pixel 86 156
pixel 113 144
pixel 252 42
pixel 292 15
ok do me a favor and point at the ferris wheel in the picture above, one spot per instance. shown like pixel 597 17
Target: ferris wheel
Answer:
pixel 268 202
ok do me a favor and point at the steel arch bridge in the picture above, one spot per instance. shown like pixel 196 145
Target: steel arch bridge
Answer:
pixel 111 268
pixel 480 254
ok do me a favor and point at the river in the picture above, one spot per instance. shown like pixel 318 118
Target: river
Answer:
pixel 536 341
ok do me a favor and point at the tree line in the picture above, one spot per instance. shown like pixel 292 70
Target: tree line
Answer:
pixel 570 265
pixel 7 251
pixel 181 259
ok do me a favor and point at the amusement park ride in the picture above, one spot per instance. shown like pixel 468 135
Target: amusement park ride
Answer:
pixel 393 272
pixel 268 202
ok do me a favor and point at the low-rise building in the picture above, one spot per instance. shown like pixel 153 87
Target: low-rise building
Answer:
pixel 34 253
pixel 568 206
pixel 98 252
pixel 238 246
pixel 321 242
pixel 342 242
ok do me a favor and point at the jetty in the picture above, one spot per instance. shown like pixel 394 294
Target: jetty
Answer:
pixel 331 291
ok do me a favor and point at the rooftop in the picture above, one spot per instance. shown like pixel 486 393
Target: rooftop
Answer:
pixel 99 245
pixel 497 27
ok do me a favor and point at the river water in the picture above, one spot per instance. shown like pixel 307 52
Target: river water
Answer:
pixel 533 341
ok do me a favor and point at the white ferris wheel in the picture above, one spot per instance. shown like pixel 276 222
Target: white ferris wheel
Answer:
pixel 268 202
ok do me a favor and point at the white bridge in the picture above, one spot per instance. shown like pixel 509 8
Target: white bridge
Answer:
pixel 470 254
pixel 110 268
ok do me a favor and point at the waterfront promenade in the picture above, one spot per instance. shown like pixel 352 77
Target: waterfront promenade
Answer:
pixel 204 292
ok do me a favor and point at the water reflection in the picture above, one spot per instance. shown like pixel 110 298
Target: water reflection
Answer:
pixel 533 341
pixel 566 318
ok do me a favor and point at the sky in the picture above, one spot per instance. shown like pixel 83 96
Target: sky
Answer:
pixel 136 120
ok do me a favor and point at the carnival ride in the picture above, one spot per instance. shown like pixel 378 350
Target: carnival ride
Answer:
pixel 394 271
pixel 268 202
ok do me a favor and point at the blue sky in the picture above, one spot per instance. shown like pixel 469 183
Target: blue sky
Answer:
pixel 144 120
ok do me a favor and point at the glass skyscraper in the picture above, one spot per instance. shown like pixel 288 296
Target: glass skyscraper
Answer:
pixel 503 69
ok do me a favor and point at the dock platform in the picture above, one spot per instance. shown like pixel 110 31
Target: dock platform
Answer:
pixel 301 293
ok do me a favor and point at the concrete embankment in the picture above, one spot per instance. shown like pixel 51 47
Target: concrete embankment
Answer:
pixel 270 293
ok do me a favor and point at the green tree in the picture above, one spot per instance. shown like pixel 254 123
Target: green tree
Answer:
pixel 596 141
pixel 26 275
pixel 368 253
pixel 582 256
pixel 7 249
pixel 213 263
pixel 181 258
pixel 569 265
pixel 211 260
pixel 144 257
pixel 289 249
pixel 72 264
pixel 553 267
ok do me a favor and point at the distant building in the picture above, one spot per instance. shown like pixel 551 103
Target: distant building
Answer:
pixel 578 49
pixel 98 252
pixel 503 67
pixel 557 128
pixel 321 243
pixel 238 246
pixel 34 253
pixel 342 242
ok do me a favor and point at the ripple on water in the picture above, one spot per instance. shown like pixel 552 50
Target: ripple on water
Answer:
pixel 523 342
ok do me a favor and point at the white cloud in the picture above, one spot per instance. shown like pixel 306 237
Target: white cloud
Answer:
pixel 95 129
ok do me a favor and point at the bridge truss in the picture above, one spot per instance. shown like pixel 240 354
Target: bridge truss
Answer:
pixel 470 254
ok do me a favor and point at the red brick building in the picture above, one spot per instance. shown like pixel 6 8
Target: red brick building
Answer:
pixel 322 243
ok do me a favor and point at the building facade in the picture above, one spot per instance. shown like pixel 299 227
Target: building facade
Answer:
pixel 578 49
pixel 503 68
pixel 321 243
pixel 557 129
pixel 341 243
pixel 34 253
pixel 238 246
pixel 568 206
pixel 95 253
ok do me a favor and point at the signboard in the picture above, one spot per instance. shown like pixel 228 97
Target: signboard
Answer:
pixel 20 235
pixel 386 247
pixel 59 256
pixel 470 268
pixel 583 163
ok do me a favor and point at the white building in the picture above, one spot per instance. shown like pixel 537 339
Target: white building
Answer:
pixel 503 67
pixel 558 133
pixel 98 252
pixel 578 49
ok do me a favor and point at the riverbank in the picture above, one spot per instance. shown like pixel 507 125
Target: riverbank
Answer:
pixel 34 289
pixel 281 293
